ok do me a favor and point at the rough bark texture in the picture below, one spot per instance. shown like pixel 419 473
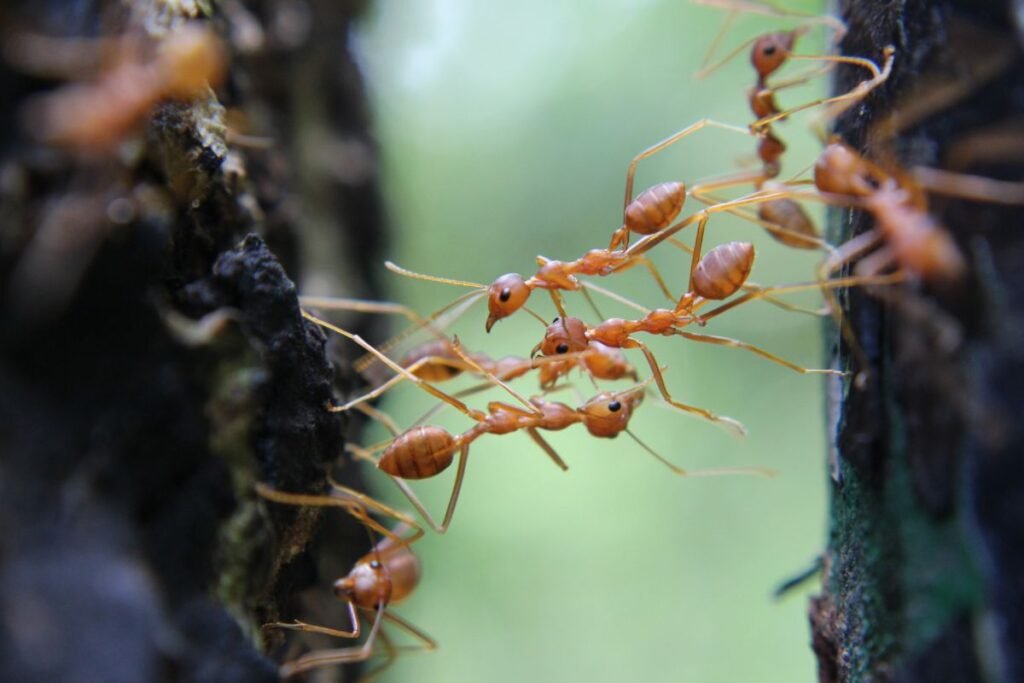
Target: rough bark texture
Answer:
pixel 924 572
pixel 153 361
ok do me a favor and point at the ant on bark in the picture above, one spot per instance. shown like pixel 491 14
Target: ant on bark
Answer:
pixel 425 451
pixel 383 577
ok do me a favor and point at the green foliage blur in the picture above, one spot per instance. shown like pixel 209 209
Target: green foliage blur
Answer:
pixel 505 130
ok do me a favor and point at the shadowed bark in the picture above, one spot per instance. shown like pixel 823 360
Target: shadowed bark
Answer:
pixel 153 361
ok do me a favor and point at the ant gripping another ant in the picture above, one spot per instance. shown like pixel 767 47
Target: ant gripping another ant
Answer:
pixel 385 576
pixel 425 451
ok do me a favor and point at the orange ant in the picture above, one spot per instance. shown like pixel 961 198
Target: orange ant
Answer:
pixel 425 451
pixel 94 117
pixel 383 577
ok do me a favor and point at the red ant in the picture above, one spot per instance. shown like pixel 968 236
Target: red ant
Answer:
pixel 383 577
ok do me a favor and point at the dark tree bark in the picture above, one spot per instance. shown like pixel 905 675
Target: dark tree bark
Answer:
pixel 153 361
pixel 924 572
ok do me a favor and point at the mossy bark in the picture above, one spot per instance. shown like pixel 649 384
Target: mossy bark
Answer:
pixel 925 559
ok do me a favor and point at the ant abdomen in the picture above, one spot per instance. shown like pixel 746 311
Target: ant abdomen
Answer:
pixel 723 270
pixel 655 208
pixel 419 453
pixel 798 231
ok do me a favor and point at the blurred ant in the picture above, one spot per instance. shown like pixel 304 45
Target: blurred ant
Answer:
pixel 383 577
pixel 96 116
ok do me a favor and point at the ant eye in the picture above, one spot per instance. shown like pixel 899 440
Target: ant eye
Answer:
pixel 554 321
pixel 374 564
pixel 562 348
pixel 769 50
pixel 505 294
pixel 614 406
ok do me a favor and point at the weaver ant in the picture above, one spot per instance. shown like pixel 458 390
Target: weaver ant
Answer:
pixel 383 577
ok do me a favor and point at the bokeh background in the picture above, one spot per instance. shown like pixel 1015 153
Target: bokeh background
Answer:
pixel 505 131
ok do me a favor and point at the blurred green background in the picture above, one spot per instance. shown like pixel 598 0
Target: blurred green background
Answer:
pixel 506 129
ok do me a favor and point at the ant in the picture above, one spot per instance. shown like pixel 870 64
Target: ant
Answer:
pixel 96 116
pixel 425 451
pixel 385 576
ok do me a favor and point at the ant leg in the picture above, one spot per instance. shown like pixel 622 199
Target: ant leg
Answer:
pixel 328 303
pixel 427 643
pixel 380 508
pixel 861 90
pixel 591 302
pixel 698 243
pixel 756 471
pixel 460 473
pixel 542 442
pixel 312 628
pixel 668 142
pixel 735 343
pixel 727 422
pixel 556 298
pixel 852 281
pixel 354 506
pixel 426 386
pixel 390 655
pixel 837 105
pixel 969 186
pixel 381 417
pixel 370 395
pixel 317 659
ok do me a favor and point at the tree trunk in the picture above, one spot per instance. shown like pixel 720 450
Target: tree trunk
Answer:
pixel 924 576
pixel 154 363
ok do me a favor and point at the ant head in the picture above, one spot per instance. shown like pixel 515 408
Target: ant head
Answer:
pixel 608 414
pixel 367 585
pixel 840 170
pixel 564 335
pixel 505 296
pixel 771 51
